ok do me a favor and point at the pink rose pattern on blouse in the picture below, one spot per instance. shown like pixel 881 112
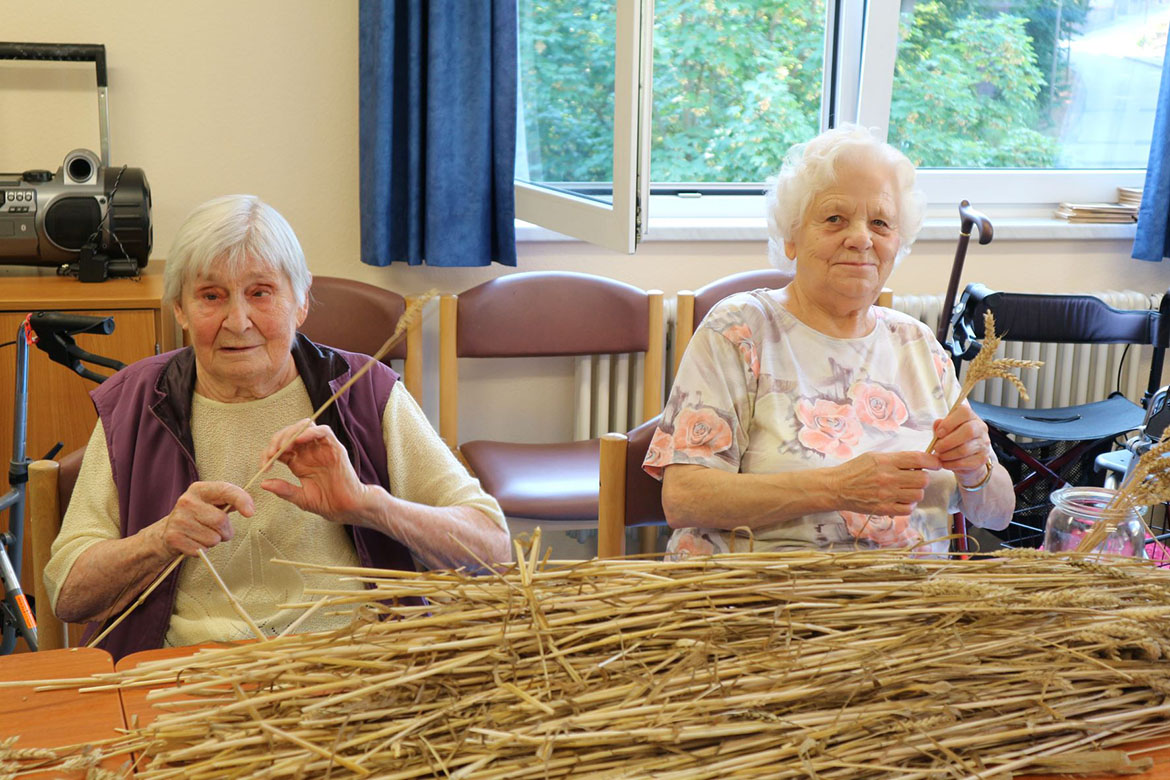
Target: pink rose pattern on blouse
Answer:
pixel 877 407
pixel 827 427
pixel 661 449
pixel 700 433
pixel 741 337
pixel 690 543
pixel 760 392
pixel 882 530
pixel 941 364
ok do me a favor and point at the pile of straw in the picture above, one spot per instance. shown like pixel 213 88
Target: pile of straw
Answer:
pixel 848 665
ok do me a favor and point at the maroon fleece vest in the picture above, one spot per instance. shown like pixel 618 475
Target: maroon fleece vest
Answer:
pixel 145 411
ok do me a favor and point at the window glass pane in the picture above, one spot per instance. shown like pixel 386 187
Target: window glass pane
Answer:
pixel 736 82
pixel 1028 83
pixel 565 127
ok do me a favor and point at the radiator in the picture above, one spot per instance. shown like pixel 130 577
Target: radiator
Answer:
pixel 608 394
pixel 608 388
pixel 1071 374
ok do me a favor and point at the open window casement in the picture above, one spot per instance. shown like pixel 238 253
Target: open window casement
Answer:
pixel 604 198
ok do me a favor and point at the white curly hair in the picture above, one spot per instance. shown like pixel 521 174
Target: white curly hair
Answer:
pixel 810 167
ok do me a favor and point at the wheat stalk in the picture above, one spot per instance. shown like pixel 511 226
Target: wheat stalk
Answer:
pixel 410 316
pixel 987 366
pixel 866 664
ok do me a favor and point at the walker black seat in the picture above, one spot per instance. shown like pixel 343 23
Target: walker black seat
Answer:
pixel 1116 414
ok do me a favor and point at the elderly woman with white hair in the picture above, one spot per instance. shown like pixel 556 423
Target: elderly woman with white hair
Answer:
pixel 804 414
pixel 370 485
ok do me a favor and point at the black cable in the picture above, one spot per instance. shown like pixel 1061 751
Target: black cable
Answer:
pixel 7 344
pixel 109 210
pixel 106 220
pixel 1120 365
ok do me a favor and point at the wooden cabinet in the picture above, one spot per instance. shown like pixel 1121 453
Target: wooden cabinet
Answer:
pixel 59 408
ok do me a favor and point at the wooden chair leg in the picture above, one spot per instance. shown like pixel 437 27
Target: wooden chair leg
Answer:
pixel 611 513
pixel 44 521
pixel 648 539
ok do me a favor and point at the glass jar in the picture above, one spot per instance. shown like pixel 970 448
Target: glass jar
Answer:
pixel 1076 509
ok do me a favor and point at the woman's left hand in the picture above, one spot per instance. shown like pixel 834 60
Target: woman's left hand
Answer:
pixel 329 486
pixel 963 445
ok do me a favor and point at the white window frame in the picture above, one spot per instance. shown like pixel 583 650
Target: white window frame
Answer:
pixel 945 186
pixel 864 62
pixel 616 226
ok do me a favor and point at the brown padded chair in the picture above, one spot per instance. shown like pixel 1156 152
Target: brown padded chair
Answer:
pixel 50 485
pixel 629 496
pixel 359 317
pixel 544 314
pixel 693 306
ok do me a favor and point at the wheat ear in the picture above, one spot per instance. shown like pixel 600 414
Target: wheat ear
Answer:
pixel 987 366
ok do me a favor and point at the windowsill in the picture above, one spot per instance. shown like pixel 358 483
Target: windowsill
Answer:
pixel 935 229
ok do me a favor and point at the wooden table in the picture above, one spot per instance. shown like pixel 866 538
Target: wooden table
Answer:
pixel 1160 771
pixel 50 719
pixel 137 710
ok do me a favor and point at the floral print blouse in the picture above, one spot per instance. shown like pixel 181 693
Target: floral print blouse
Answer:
pixel 760 392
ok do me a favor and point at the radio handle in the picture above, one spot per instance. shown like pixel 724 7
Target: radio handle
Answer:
pixel 71 52
pixel 63 52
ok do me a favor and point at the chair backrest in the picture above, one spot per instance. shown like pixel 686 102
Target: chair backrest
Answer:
pixel 629 496
pixel 692 307
pixel 50 486
pixel 358 317
pixel 546 314
pixel 710 294
pixel 1061 319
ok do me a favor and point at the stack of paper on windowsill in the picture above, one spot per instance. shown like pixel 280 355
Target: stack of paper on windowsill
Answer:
pixel 1097 212
pixel 1129 196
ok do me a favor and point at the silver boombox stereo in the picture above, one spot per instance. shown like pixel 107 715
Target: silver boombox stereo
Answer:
pixel 88 218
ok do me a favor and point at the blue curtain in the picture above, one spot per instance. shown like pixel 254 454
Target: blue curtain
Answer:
pixel 437 131
pixel 1152 241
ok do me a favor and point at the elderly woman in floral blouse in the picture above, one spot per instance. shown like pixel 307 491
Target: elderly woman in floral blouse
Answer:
pixel 804 413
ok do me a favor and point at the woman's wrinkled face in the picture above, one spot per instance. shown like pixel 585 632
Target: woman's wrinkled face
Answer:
pixel 241 327
pixel 849 239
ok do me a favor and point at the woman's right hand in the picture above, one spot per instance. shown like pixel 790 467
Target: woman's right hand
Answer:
pixel 884 483
pixel 199 520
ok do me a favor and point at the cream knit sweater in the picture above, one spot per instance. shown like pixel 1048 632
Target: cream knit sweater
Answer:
pixel 229 439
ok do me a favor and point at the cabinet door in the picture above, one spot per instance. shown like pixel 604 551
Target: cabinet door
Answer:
pixel 59 408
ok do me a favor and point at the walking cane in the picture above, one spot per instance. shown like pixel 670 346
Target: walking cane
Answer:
pixel 968 217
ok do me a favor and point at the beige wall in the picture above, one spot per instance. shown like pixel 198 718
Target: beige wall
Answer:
pixel 260 96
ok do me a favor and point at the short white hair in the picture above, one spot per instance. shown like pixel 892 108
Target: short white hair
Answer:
pixel 231 232
pixel 811 167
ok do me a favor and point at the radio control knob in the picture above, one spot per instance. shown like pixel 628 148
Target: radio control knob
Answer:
pixel 37 175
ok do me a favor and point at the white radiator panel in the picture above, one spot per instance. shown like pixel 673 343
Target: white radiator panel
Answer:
pixel 925 308
pixel 609 394
pixel 609 388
